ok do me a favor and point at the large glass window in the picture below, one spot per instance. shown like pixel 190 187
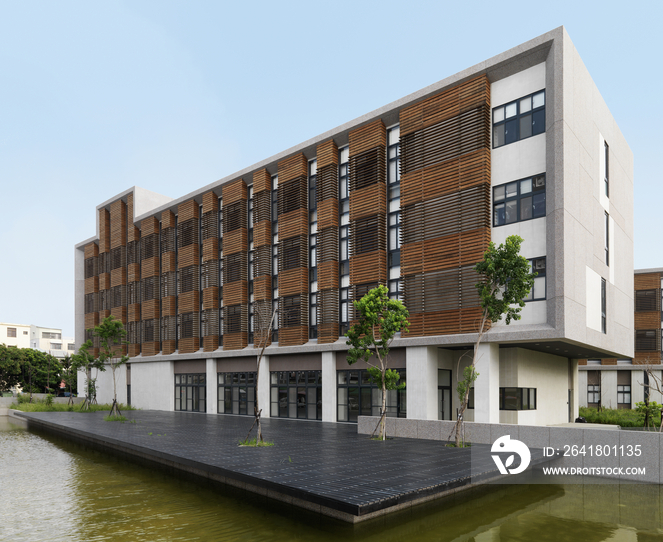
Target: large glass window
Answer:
pixel 604 307
pixel 520 200
pixel 296 394
pixel 519 119
pixel 645 340
pixel 517 398
pixel 624 395
pixel 358 396
pixel 237 392
pixel 190 392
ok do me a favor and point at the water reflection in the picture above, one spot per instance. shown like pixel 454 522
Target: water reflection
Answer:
pixel 56 490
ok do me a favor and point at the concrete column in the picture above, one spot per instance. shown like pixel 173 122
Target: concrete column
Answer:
pixel 329 396
pixel 582 389
pixel 487 385
pixel 421 365
pixel 264 387
pixel 609 389
pixel 574 384
pixel 654 395
pixel 212 386
pixel 637 388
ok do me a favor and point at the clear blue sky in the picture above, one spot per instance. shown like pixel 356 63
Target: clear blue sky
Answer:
pixel 96 97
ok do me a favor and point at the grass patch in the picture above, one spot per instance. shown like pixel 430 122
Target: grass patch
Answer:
pixel 43 405
pixel 253 442
pixel 462 445
pixel 115 418
pixel 621 417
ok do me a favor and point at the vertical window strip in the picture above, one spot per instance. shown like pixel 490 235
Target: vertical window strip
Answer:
pixel 313 239
pixel 343 237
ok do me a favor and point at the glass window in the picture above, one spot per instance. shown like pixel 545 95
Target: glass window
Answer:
pixel 296 394
pixel 517 398
pixel 358 396
pixel 520 200
pixel 190 392
pixel 520 119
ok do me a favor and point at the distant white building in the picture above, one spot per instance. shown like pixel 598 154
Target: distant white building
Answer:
pixel 45 339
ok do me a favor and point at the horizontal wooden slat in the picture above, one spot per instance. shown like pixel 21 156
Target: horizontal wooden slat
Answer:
pixel 118 221
pixel 120 313
pixel 187 211
pixel 188 302
pixel 293 223
pixel 327 154
pixel 211 298
pixel 210 202
pixel 149 267
pixel 91 250
pixel 133 272
pixel 189 346
pixel 168 262
pixel 104 281
pixel 368 201
pixel 210 249
pixel 188 255
pixel 104 230
pixel 235 293
pixel 293 282
pixel 235 241
pixel 367 137
pixel 369 267
pixel 292 336
pixel 168 219
pixel 647 281
pixel 169 306
pixel 150 309
pixel 262 180
pixel 262 234
pixel 444 105
pixel 92 285
pixel 118 277
pixel 234 192
pixel 211 343
pixel 647 320
pixel 262 288
pixel 134 313
pixel 328 275
pixel 148 226
pixel 292 168
pixel 328 214
pixel 235 341
pixel 91 320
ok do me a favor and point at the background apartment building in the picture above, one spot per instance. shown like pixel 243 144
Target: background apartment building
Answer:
pixel 46 339
pixel 621 383
pixel 409 196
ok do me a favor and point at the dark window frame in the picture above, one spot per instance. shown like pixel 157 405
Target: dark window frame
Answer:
pixel 501 218
pixel 281 403
pixel 522 396
pixel 227 383
pixel 515 122
pixel 604 306
pixel 193 382
pixel 363 382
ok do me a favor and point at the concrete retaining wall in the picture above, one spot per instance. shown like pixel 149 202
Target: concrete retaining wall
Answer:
pixel 560 439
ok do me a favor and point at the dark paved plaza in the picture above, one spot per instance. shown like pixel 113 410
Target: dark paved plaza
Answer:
pixel 323 467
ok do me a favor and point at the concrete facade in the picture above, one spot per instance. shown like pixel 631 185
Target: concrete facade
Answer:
pixel 540 351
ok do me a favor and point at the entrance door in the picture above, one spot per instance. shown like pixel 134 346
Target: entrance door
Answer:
pixel 443 394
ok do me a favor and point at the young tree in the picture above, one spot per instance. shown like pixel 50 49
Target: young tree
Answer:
pixel 39 369
pixel 380 318
pixel 263 320
pixel 111 335
pixel 69 376
pixel 505 280
pixel 84 361
pixel 10 366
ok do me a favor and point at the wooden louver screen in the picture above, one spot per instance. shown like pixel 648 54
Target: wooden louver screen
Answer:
pixel 168 283
pixel 327 242
pixel 445 206
pixel 149 287
pixel 293 250
pixel 92 295
pixel 235 250
pixel 188 267
pixel 262 258
pixel 368 209
pixel 209 272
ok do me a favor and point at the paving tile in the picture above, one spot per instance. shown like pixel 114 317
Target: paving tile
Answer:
pixel 322 464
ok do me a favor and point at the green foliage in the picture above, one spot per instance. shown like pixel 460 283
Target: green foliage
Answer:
pixel 391 378
pixel 506 280
pixel 39 405
pixel 48 401
pixel 110 418
pixel 254 443
pixel 647 412
pixel 621 417
pixel 380 318
pixel 11 359
pixel 38 369
pixel 469 376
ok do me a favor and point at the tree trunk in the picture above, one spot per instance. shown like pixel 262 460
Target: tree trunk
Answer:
pixel 383 428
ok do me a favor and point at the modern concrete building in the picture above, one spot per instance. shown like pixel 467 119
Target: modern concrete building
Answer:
pixel 409 195
pixel 623 382
pixel 46 339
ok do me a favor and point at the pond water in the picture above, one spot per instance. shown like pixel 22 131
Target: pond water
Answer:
pixel 52 489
